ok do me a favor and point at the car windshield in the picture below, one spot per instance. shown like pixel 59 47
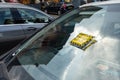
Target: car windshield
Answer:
pixel 81 45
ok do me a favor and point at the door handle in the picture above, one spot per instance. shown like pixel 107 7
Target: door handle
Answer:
pixel 31 29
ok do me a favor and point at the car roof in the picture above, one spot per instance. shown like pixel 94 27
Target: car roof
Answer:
pixel 101 3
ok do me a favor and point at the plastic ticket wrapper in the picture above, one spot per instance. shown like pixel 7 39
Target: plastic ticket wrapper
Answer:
pixel 83 41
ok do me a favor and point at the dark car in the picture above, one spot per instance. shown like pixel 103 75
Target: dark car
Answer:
pixel 58 8
pixel 83 44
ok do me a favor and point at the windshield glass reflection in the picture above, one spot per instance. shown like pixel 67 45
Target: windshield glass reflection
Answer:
pixel 50 53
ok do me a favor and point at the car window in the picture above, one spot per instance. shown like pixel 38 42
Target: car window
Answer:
pixel 46 47
pixel 64 49
pixel 31 16
pixel 5 16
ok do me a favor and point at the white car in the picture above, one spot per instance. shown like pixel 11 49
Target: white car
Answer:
pixel 83 44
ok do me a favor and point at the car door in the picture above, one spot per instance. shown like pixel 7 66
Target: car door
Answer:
pixel 32 20
pixel 9 31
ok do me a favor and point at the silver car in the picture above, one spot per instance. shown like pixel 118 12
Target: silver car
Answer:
pixel 18 21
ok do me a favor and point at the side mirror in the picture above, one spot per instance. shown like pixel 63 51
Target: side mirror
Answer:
pixel 3 72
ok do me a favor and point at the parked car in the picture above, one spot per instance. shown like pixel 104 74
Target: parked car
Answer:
pixel 83 44
pixel 58 8
pixel 18 21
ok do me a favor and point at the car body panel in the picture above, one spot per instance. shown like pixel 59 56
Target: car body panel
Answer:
pixel 11 32
pixel 30 29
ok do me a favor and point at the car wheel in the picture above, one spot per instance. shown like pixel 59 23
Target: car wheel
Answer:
pixel 59 13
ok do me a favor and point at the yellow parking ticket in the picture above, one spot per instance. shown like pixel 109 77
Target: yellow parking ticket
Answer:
pixel 83 40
